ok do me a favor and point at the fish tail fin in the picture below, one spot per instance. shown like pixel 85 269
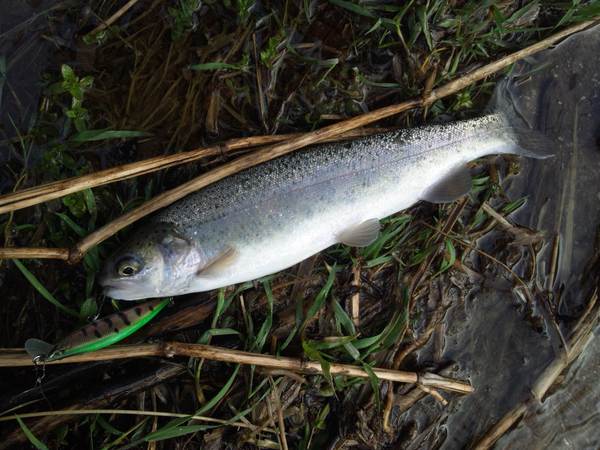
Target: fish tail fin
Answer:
pixel 38 349
pixel 509 103
pixel 528 141
pixel 532 143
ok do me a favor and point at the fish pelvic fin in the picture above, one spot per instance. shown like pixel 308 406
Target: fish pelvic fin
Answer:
pixel 452 187
pixel 360 235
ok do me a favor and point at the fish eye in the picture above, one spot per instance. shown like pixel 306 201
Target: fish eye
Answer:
pixel 128 267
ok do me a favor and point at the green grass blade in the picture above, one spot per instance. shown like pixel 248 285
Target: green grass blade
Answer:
pixel 353 7
pixel 217 398
pixel 42 290
pixel 34 440
pixel 177 431
pixel 374 384
pixel 101 135
pixel 176 428
pixel 216 66
pixel 343 319
pixel 315 355
pixel 216 332
pixel 265 328
pixel 321 296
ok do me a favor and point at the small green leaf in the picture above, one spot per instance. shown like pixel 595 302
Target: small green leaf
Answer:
pixel 67 73
pixel 513 206
pixel 315 355
pixel 76 204
pixel 449 258
pixel 89 308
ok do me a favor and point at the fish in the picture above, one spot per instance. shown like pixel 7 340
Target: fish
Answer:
pixel 96 335
pixel 271 216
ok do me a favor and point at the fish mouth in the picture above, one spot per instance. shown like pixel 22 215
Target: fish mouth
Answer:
pixel 123 289
pixel 123 293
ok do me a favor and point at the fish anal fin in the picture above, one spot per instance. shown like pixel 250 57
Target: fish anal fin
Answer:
pixel 361 234
pixel 219 263
pixel 452 187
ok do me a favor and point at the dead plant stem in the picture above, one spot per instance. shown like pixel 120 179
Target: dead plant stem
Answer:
pixel 17 358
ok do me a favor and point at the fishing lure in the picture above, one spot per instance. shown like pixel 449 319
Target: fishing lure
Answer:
pixel 96 335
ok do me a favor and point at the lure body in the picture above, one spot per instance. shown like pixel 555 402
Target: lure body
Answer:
pixel 98 334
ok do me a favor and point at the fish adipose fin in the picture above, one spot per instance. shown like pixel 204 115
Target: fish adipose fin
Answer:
pixel 360 235
pixel 38 349
pixel 452 187
pixel 223 260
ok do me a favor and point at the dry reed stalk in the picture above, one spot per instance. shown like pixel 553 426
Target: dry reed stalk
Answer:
pixel 313 137
pixel 35 252
pixel 56 189
pixel 18 358
pixel 112 19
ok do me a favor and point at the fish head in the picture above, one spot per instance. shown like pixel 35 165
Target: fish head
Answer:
pixel 158 261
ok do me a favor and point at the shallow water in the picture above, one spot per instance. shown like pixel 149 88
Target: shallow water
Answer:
pixel 500 342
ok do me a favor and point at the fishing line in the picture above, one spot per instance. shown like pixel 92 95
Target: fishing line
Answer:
pixel 39 363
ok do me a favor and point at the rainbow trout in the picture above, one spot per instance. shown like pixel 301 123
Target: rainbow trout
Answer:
pixel 274 215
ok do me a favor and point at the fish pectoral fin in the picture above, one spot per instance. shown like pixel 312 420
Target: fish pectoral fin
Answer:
pixel 223 260
pixel 360 235
pixel 452 187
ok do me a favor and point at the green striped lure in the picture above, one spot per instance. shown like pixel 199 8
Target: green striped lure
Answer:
pixel 98 334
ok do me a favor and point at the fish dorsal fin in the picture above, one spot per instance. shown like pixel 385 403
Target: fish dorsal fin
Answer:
pixel 360 235
pixel 220 262
pixel 38 349
pixel 453 186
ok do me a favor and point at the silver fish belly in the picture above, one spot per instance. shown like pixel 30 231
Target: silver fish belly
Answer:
pixel 274 215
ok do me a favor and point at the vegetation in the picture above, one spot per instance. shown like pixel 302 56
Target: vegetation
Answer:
pixel 168 78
